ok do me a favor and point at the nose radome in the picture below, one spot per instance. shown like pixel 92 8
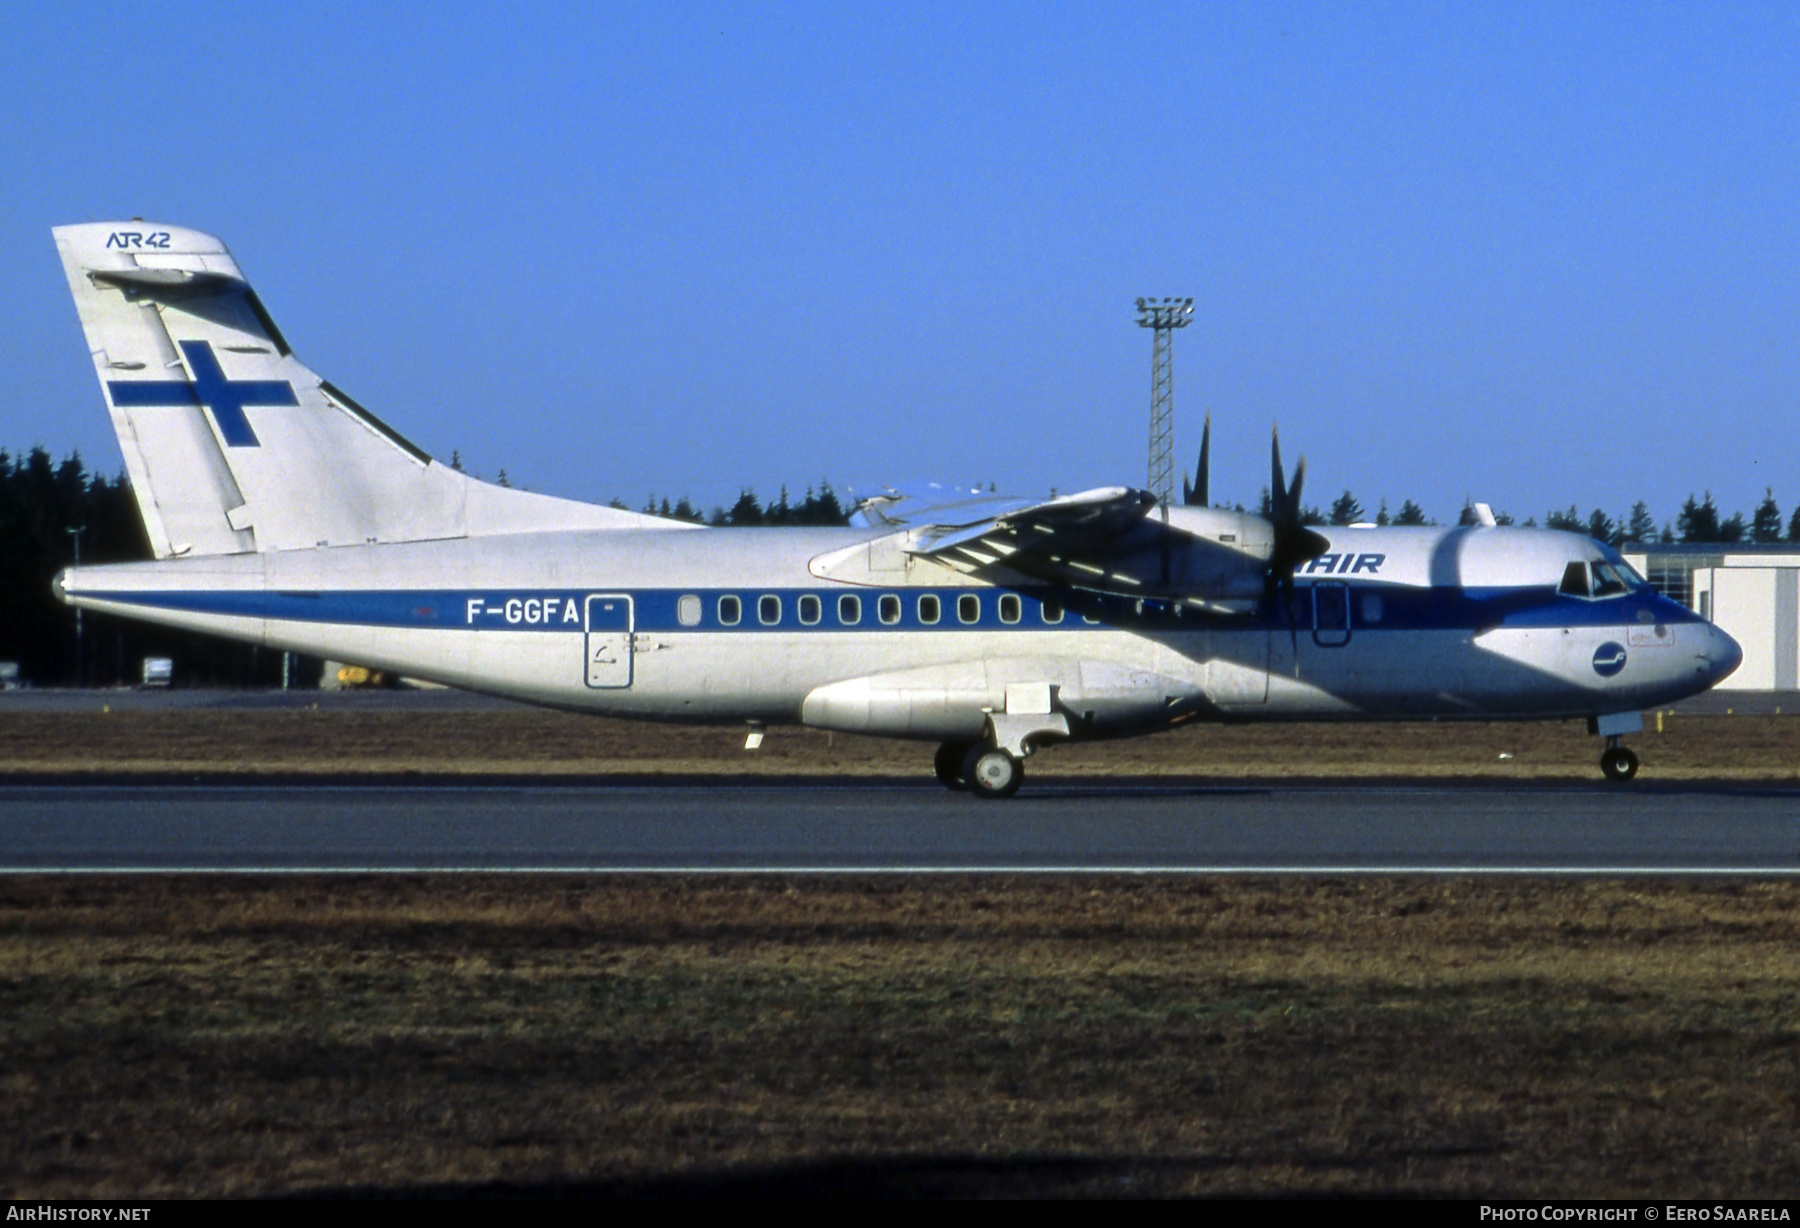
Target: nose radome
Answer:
pixel 1721 655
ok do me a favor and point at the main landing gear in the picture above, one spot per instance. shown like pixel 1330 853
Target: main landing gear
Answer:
pixel 994 767
pixel 992 772
pixel 948 764
pixel 980 768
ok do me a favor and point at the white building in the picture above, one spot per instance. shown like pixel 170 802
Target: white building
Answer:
pixel 1752 592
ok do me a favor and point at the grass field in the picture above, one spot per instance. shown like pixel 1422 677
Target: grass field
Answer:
pixel 527 742
pixel 620 1036
pixel 617 1036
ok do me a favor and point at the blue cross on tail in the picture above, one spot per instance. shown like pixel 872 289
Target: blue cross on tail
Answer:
pixel 225 398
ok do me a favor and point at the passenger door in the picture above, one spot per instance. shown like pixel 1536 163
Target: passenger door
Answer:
pixel 608 640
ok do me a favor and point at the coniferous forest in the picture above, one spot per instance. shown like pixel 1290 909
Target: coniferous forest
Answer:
pixel 50 510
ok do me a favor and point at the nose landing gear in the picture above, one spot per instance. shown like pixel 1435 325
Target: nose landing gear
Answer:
pixel 1617 762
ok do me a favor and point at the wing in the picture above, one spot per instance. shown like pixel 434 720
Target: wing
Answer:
pixel 1103 540
pixel 1113 540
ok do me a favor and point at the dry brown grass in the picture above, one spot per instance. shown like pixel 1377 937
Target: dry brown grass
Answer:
pixel 607 1036
pixel 522 741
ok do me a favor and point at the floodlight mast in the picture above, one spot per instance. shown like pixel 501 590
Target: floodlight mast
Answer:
pixel 1163 318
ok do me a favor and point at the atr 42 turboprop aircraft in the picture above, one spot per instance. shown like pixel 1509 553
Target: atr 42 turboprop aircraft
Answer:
pixel 283 513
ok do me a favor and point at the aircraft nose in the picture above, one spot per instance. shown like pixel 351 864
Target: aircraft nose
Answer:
pixel 1719 655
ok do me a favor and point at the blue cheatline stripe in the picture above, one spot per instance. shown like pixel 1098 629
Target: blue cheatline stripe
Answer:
pixel 658 610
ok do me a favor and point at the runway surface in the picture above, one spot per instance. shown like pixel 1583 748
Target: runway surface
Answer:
pixel 900 826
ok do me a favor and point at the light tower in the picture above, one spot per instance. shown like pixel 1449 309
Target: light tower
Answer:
pixel 1163 317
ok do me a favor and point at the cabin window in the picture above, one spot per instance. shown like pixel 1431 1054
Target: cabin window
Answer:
pixel 1051 611
pixel 768 609
pixel 1370 607
pixel 687 610
pixel 930 609
pixel 849 610
pixel 1009 607
pixel 1093 612
pixel 1574 581
pixel 808 609
pixel 968 608
pixel 888 608
pixel 731 611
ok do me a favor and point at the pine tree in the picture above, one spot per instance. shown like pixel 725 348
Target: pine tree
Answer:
pixel 1643 526
pixel 1698 522
pixel 1766 527
pixel 1411 513
pixel 1346 510
pixel 746 511
pixel 1570 520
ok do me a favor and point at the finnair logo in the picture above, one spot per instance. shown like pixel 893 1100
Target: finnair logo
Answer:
pixel 1344 564
pixel 1609 659
pixel 138 239
pixel 225 398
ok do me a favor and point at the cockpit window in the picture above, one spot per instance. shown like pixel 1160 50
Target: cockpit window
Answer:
pixel 1608 582
pixel 1598 579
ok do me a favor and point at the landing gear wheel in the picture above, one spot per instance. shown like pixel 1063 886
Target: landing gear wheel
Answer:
pixel 1618 763
pixel 990 772
pixel 948 764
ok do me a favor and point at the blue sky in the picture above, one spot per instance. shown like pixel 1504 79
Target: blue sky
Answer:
pixel 1530 253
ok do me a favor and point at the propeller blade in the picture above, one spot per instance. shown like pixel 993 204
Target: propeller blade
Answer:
pixel 1294 542
pixel 1277 480
pixel 1198 495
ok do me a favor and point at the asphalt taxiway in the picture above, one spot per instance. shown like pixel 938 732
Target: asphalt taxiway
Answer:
pixel 300 825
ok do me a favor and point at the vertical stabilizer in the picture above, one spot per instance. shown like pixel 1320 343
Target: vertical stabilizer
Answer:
pixel 232 444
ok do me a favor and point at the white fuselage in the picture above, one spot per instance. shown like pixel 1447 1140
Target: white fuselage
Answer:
pixel 740 624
